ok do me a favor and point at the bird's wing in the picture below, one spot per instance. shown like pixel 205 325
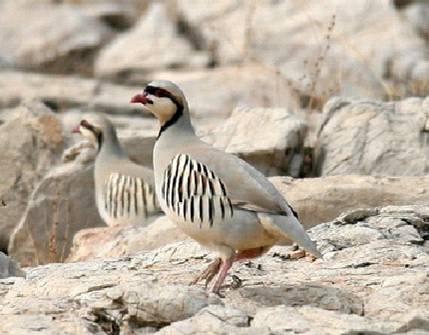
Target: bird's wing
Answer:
pixel 245 186
pixel 128 168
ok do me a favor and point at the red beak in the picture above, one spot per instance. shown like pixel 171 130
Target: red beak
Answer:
pixel 76 130
pixel 140 98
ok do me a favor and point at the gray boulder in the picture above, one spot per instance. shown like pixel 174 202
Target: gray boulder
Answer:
pixel 373 278
pixel 32 141
pixel 374 138
pixel 67 48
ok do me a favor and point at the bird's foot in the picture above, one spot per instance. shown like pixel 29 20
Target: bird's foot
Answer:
pixel 209 273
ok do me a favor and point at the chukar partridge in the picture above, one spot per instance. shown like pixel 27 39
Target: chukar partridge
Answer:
pixel 216 198
pixel 124 191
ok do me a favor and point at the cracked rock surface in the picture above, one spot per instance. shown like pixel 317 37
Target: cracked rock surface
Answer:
pixel 373 279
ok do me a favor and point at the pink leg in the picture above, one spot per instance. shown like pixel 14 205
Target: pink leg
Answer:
pixel 226 265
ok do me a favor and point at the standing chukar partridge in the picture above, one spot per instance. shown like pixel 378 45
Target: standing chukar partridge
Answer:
pixel 216 198
pixel 124 191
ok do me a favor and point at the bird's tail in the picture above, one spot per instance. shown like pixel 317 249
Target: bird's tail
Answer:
pixel 289 228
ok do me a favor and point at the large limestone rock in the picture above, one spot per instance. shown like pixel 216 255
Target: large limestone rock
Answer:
pixel 63 93
pixel 68 47
pixel 373 279
pixel 153 44
pixel 322 199
pixel 374 138
pixel 320 47
pixel 32 141
pixel 62 204
pixel 271 139
pixel 123 241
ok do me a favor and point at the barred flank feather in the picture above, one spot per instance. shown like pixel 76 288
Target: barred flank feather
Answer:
pixel 194 192
pixel 127 196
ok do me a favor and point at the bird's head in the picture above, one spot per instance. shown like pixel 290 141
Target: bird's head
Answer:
pixel 162 98
pixel 94 128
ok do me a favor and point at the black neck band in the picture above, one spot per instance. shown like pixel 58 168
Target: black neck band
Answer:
pixel 99 137
pixel 173 120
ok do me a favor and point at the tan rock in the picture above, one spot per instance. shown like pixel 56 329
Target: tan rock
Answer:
pixel 152 44
pixel 373 272
pixel 62 204
pixel 271 139
pixel 32 141
pixel 67 48
pixel 374 138
pixel 123 241
pixel 322 48
pixel 322 199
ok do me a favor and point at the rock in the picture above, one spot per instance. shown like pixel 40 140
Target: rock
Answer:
pixel 32 141
pixel 311 41
pixel 417 14
pixel 322 199
pixel 311 320
pixel 67 48
pixel 62 204
pixel 117 16
pixel 373 279
pixel 123 241
pixel 374 138
pixel 8 268
pixel 63 93
pixel 152 44
pixel 271 139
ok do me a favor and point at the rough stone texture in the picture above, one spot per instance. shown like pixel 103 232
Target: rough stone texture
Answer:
pixel 122 241
pixel 31 142
pixel 322 199
pixel 65 92
pixel 309 41
pixel 152 44
pixel 374 138
pixel 64 49
pixel 62 204
pixel 373 279
pixel 271 139
pixel 9 268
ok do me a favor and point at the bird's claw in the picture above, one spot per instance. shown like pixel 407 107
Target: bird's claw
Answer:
pixel 208 274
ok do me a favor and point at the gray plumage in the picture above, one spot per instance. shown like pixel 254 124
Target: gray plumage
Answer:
pixel 216 198
pixel 124 191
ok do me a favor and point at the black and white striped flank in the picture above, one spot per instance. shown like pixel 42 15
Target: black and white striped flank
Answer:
pixel 127 196
pixel 194 192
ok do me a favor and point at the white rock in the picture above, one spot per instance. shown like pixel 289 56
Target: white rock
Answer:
pixel 374 138
pixel 41 47
pixel 271 139
pixel 152 44
pixel 32 141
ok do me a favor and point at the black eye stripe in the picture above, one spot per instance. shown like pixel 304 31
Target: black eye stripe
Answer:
pixel 161 93
pixel 89 126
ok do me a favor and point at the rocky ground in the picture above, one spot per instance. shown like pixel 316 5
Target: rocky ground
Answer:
pixel 373 279
pixel 328 100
